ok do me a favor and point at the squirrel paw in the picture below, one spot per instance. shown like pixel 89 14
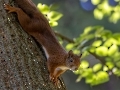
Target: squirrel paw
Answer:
pixel 9 8
pixel 54 80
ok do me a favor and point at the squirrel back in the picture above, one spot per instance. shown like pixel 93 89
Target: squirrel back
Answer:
pixel 40 25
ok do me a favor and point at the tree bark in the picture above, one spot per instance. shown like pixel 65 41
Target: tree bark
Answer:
pixel 22 60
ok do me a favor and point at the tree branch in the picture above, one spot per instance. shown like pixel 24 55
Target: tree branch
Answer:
pixel 64 37
pixel 97 57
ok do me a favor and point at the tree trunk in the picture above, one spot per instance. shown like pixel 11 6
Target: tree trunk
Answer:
pixel 22 61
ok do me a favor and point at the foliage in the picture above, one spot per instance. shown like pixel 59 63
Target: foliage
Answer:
pixel 104 46
pixel 103 9
pixel 50 14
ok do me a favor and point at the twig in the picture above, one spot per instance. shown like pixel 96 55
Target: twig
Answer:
pixel 102 61
pixel 64 37
pixel 97 57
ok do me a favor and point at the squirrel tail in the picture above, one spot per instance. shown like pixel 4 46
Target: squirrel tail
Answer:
pixel 27 6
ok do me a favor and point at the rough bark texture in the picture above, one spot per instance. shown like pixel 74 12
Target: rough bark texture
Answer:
pixel 22 62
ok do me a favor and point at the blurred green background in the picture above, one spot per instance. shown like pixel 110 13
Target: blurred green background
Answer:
pixel 76 17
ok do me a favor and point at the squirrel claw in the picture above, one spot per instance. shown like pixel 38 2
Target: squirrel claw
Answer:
pixel 9 8
pixel 54 80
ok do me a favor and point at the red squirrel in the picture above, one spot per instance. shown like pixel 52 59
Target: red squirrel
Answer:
pixel 35 24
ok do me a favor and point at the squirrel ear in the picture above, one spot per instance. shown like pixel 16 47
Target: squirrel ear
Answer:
pixel 70 53
pixel 80 55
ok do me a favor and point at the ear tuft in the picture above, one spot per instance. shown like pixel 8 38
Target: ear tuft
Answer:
pixel 70 53
pixel 80 55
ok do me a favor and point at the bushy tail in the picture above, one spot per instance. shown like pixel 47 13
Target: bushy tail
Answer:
pixel 27 6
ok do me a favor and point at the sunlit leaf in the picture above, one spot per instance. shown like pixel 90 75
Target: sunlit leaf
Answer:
pixel 98 14
pixel 92 49
pixel 53 23
pixel 69 46
pixel 53 15
pixel 105 7
pixel 97 43
pixel 84 74
pixel 116 35
pixel 118 64
pixel 116 71
pixel 110 65
pixel 76 51
pixel 105 68
pixel 97 67
pixel 102 77
pixel 90 79
pixel 87 30
pixel 114 17
pixel 43 8
pixel 116 56
pixel 112 50
pixel 95 2
pixel 102 51
pixel 111 41
pixel 84 64
pixel 106 34
pixel 87 72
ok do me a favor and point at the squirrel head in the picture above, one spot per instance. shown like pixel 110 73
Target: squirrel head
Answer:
pixel 73 61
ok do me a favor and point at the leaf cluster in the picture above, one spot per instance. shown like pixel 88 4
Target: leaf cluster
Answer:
pixel 104 9
pixel 104 46
pixel 50 13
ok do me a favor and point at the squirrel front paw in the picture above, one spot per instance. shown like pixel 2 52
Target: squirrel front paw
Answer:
pixel 54 80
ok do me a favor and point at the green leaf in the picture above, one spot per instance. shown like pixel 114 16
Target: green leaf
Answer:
pixel 97 43
pixel 53 23
pixel 112 50
pixel 114 17
pixel 101 77
pixel 110 41
pixel 102 51
pixel 88 30
pixel 118 64
pixel 54 16
pixel 116 71
pixel 116 56
pixel 76 51
pixel 43 8
pixel 92 49
pixel 90 79
pixel 87 72
pixel 98 14
pixel 106 34
pixel 95 2
pixel 110 65
pixel 105 68
pixel 97 67
pixel 69 46
pixel 84 64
